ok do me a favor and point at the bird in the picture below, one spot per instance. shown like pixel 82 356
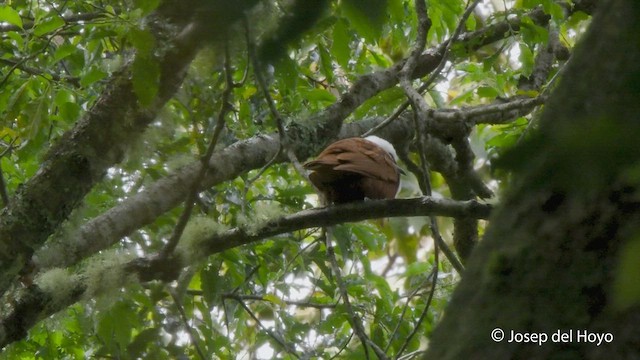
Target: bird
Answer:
pixel 355 169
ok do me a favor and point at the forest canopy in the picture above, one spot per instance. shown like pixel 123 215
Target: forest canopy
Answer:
pixel 154 199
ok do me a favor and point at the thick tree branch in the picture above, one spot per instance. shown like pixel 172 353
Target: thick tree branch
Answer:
pixel 330 120
pixel 30 305
pixel 354 212
pixel 101 138
pixel 233 161
pixel 143 208
pixel 82 156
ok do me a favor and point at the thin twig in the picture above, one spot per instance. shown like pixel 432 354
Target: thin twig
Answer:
pixel 68 19
pixel 356 324
pixel 447 50
pixel 392 260
pixel 286 346
pixel 434 281
pixel 262 298
pixel 284 141
pixel 448 253
pixel 405 308
pixel 434 74
pixel 185 320
pixel 235 290
pixel 421 111
pixel 246 279
pixel 344 346
pixel 396 114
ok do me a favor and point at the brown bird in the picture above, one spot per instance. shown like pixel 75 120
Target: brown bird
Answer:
pixel 354 169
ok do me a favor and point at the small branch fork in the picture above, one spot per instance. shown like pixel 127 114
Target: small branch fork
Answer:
pixel 288 347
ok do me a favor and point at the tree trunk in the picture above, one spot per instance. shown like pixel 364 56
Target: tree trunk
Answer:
pixel 550 259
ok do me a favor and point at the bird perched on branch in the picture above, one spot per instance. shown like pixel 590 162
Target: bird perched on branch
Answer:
pixel 354 169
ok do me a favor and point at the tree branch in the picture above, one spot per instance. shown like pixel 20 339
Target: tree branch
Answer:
pixel 32 304
pixel 144 207
pixel 354 212
pixel 262 298
pixel 235 160
pixel 81 157
pixel 28 25
pixel 353 319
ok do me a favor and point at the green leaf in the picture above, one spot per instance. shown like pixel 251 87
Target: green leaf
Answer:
pixel 248 91
pixel 16 37
pixel 487 92
pixel 379 60
pixel 417 268
pixel 325 62
pixel 437 98
pixel 341 41
pixel 384 290
pixel 626 289
pixel 527 60
pixel 471 23
pixel 146 79
pixel 8 132
pixel 366 16
pixel 142 342
pixel 115 326
pixel 436 30
pixel 17 100
pixel 273 298
pixel 48 25
pixel 396 10
pixel 319 95
pixel 94 74
pixel 64 51
pixel 342 234
pixel 8 14
pixel 530 4
pixel 533 33
pixel 555 10
pixel 286 70
pixel 69 110
pixel 146 5
pixel 62 96
pixel 211 283
pixel 142 40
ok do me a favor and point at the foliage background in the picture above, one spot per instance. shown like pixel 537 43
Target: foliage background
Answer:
pixel 199 92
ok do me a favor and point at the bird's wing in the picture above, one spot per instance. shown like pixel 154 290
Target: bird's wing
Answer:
pixel 358 156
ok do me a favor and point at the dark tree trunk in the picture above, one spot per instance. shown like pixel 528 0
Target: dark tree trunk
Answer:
pixel 551 256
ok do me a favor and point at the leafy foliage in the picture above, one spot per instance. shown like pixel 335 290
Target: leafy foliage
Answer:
pixel 280 297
